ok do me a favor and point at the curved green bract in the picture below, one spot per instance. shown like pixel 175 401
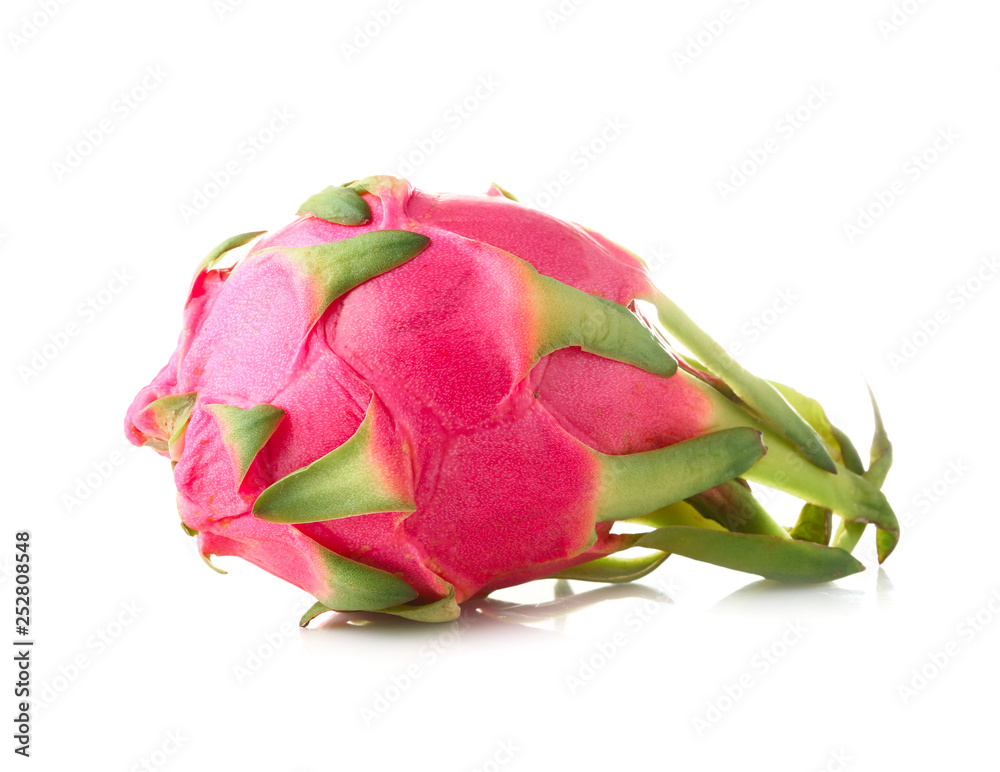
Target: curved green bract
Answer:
pixel 814 414
pixel 852 460
pixel 635 484
pixel 444 610
pixel 868 505
pixel 733 506
pixel 814 524
pixel 339 266
pixel 209 261
pixel 312 612
pixel 567 316
pixel 783 560
pixel 245 431
pixel 504 192
pixel 353 586
pixel 345 482
pixel 678 513
pixel 756 392
pixel 880 459
pixel 339 205
pixel 614 569
pixel 849 533
pixel 848 495
pixel 878 467
pixel 169 415
pixel 210 564
pixel 175 445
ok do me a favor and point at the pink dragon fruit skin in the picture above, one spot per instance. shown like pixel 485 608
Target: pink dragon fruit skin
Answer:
pixel 402 400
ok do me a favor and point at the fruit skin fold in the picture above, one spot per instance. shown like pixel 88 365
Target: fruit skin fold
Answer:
pixel 403 400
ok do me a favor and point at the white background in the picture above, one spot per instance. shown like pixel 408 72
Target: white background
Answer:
pixel 145 656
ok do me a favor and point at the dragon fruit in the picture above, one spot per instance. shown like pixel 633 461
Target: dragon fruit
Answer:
pixel 403 400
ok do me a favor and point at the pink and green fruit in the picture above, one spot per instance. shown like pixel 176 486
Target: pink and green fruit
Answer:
pixel 403 400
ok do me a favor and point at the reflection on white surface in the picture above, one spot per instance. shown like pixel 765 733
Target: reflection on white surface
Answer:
pixel 492 613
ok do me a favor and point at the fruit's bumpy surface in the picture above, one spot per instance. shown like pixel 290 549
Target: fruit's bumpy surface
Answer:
pixel 402 400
